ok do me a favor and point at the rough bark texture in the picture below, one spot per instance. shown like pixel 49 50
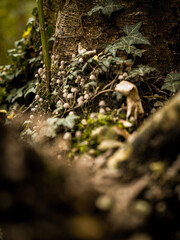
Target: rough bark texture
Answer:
pixel 51 10
pixel 160 26
pixel 156 139
pixel 74 25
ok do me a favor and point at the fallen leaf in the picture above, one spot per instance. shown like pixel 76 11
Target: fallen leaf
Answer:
pixel 11 115
pixel 3 111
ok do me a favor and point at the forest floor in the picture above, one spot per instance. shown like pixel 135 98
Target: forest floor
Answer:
pixel 66 169
pixel 47 191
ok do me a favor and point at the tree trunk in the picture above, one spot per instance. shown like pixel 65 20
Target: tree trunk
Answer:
pixel 160 26
pixel 74 25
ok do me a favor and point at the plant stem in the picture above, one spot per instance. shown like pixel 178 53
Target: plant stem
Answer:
pixel 44 43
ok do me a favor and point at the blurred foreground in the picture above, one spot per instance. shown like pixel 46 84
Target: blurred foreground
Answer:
pixel 42 197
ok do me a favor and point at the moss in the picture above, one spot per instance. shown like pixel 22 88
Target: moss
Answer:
pixel 86 142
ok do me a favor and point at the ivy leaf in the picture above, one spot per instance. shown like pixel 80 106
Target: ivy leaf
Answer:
pixel 105 62
pixel 34 11
pixel 110 7
pixel 51 39
pixel 15 94
pixel 30 22
pixel 73 74
pixel 50 127
pixel 30 87
pixel 49 31
pixel 117 95
pixel 119 60
pixel 141 70
pixel 30 90
pixel 172 82
pixel 112 49
pixel 91 84
pixel 84 67
pixel 69 121
pixel 55 93
pixel 11 94
pixel 124 44
pixel 59 107
pixel 52 124
pixel 138 52
pixel 35 59
pixel 132 29
pixel 134 35
pixel 107 7
pixel 18 94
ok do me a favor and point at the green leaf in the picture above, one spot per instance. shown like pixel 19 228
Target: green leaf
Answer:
pixel 138 52
pixel 124 44
pixel 91 84
pixel 34 11
pixel 18 94
pixel 26 132
pixel 19 43
pixel 141 70
pixel 29 90
pixel 119 60
pixel 55 93
pixel 51 39
pixel 35 59
pixel 49 31
pixel 110 7
pixel 117 95
pixel 172 82
pixel 10 76
pixel 106 62
pixel 30 22
pixel 11 94
pixel 134 35
pixel 112 49
pixel 59 107
pixel 107 7
pixel 69 121
pixel 52 124
pixel 84 67
pixel 30 87
pixel 132 29
pixel 50 127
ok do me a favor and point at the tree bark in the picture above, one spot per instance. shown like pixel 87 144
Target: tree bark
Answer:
pixel 160 26
pixel 74 25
